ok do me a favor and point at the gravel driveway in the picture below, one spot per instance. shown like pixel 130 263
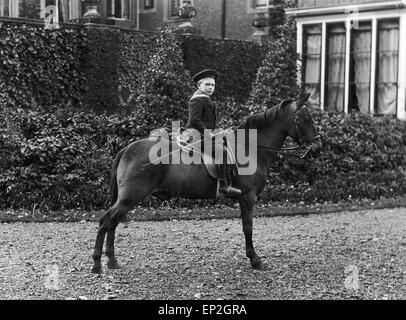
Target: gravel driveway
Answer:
pixel 348 255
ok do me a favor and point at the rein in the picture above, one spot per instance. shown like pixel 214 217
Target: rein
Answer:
pixel 303 149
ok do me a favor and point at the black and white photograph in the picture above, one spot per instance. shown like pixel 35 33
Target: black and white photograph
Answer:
pixel 204 158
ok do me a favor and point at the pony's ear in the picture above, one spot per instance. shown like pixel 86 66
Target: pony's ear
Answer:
pixel 303 99
pixel 285 103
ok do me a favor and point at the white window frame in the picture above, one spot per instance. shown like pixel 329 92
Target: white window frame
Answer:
pixel 150 10
pixel 167 17
pixel 373 16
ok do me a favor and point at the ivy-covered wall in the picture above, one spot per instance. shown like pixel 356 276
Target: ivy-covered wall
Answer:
pixel 99 68
pixel 236 61
pixel 41 67
pixel 102 68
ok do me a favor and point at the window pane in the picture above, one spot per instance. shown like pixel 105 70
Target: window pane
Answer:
pixel 360 67
pixel 118 9
pixel 335 65
pixel 4 8
pixel 387 79
pixel 175 4
pixel 13 8
pixel 261 3
pixel 63 6
pixel 148 4
pixel 312 60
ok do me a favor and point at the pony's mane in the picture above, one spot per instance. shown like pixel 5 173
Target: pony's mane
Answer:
pixel 263 119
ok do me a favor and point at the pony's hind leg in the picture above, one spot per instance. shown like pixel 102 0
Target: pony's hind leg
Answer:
pixel 118 216
pixel 107 224
pixel 98 248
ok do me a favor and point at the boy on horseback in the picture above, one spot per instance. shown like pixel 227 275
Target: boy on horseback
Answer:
pixel 202 116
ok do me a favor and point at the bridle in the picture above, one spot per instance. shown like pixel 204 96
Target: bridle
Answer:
pixel 303 148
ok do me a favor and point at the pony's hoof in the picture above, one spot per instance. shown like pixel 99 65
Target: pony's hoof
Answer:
pixel 113 265
pixel 97 270
pixel 258 265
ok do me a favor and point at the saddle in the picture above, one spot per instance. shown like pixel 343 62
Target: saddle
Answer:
pixel 207 159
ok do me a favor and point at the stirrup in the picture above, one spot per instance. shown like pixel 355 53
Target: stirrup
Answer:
pixel 230 191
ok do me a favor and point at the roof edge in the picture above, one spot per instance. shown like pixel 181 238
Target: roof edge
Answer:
pixel 350 8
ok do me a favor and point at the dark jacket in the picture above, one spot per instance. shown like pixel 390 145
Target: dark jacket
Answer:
pixel 202 112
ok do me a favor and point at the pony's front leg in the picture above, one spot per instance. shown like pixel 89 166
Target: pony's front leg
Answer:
pixel 112 262
pixel 247 203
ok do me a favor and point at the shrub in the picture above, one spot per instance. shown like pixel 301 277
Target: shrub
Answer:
pixel 362 157
pixel 236 61
pixel 276 78
pixel 62 159
pixel 166 88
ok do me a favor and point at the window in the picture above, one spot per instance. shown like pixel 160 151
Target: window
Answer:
pixel 67 9
pixel 118 9
pixel 9 8
pixel 364 79
pixel 312 61
pixel 387 67
pixel 260 4
pixel 360 67
pixel 335 66
pixel 149 4
pixel 175 5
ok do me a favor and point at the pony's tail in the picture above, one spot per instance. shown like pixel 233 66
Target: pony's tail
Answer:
pixel 113 178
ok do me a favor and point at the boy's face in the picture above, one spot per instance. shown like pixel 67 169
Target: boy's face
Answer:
pixel 207 86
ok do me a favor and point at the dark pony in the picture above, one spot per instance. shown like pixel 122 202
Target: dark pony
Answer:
pixel 133 177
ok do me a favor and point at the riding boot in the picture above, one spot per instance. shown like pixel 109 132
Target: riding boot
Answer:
pixel 225 187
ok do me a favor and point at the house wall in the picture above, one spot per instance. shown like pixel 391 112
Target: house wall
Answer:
pixel 325 3
pixel 208 19
pixel 238 16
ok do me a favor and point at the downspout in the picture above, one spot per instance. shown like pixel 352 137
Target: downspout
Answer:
pixel 138 15
pixel 223 19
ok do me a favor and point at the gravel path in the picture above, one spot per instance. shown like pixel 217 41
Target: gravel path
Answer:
pixel 348 255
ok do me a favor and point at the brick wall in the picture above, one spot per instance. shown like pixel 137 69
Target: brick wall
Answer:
pixel 208 19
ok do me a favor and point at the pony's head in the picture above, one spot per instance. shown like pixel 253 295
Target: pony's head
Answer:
pixel 302 128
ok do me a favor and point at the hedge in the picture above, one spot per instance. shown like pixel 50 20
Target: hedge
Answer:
pixel 236 61
pixel 41 67
pixel 99 68
pixel 61 160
